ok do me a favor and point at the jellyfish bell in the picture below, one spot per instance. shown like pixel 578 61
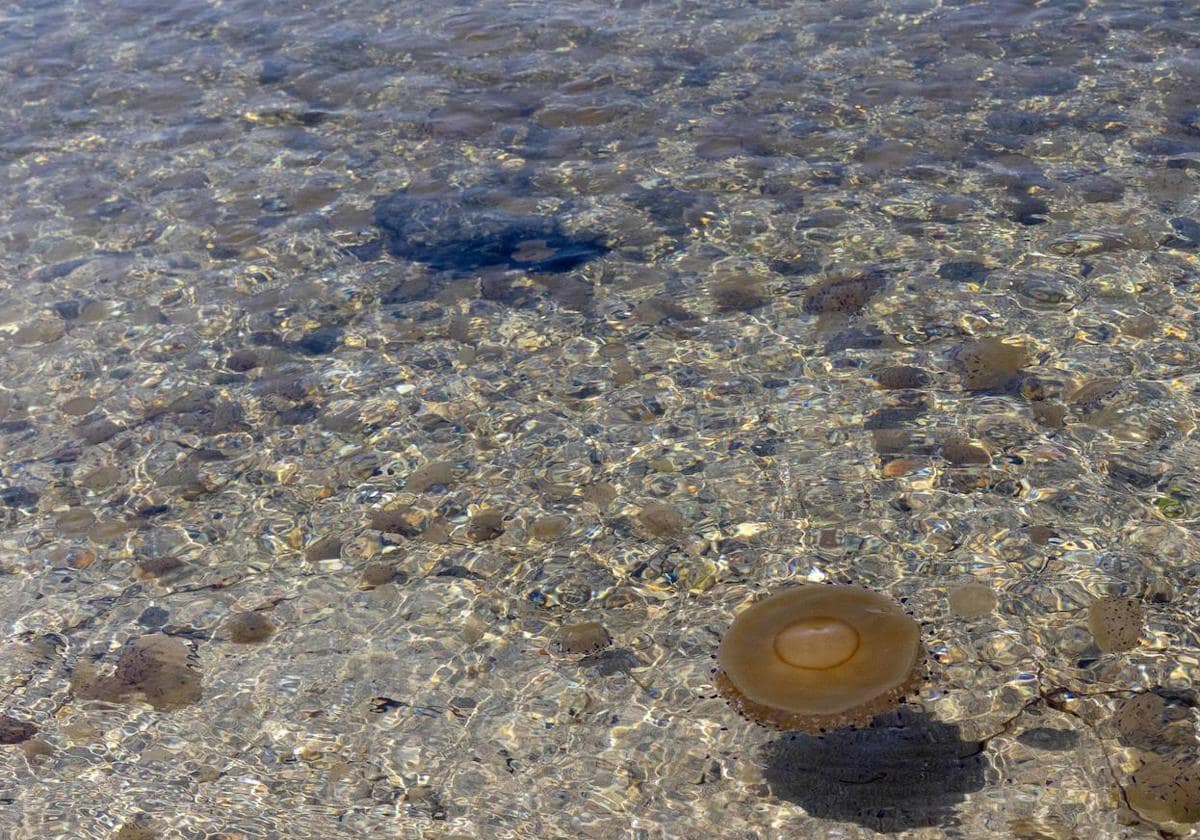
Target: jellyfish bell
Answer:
pixel 817 658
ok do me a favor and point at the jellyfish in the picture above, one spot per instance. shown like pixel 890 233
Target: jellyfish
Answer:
pixel 818 658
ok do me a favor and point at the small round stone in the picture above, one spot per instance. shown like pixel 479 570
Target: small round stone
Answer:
pixel 249 628
pixel 972 600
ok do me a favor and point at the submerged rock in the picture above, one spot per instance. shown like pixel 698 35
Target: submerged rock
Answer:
pixel 1116 623
pixel 1166 789
pixel 156 669
pixel 15 731
pixel 990 364
pixel 847 295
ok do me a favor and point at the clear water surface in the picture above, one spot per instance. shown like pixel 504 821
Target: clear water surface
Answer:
pixel 343 344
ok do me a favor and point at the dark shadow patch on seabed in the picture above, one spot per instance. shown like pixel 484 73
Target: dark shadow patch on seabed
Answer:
pixel 905 771
pixel 468 234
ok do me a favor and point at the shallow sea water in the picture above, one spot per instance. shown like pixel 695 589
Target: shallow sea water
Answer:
pixel 383 322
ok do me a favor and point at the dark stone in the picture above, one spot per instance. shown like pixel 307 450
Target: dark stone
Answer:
pixel 1098 189
pixel 242 361
pixel 12 427
pixel 1191 122
pixel 153 510
pixel 1045 738
pixel 869 337
pixel 794 267
pixel 676 212
pixel 963 271
pixel 501 289
pixel 765 448
pixel 13 731
pixel 1187 234
pixel 468 234
pixel 217 418
pixel 1166 146
pixel 892 418
pixel 1133 474
pixel 153 617
pixel 18 497
pixel 458 572
pixel 367 251
pixel 1052 83
pixel 59 270
pixel 847 295
pixel 1017 122
pixel 1028 210
pixel 98 429
pixel 700 75
pixel 273 71
pixel 297 416
pixel 1110 124
pixel 320 341
pixel 111 208
pixel 266 338
pixel 609 662
pixel 411 290
pixel 68 310
pixel 290 388
pixel 901 377
pixel 905 771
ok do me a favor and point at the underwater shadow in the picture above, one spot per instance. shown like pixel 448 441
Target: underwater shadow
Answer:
pixel 467 232
pixel 907 770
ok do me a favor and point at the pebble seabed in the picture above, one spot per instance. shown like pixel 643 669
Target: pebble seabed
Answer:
pixel 350 352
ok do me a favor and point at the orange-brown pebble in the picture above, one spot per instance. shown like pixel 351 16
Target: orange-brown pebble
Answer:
pixel 249 628
pixel 903 466
pixel 990 363
pixel 380 574
pixel 961 452
pixel 585 637
pixel 326 548
pixel 845 294
pixel 1166 789
pixel 433 474
pixel 972 600
pixel 402 520
pixel 548 528
pixel 485 525
pixel 1041 535
pixel 898 377
pixel 138 828
pixel 1116 623
pixel 601 494
pixel 661 520
pixel 155 568
pixel 157 669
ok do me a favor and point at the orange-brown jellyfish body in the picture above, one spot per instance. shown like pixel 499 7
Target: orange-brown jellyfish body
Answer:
pixel 820 657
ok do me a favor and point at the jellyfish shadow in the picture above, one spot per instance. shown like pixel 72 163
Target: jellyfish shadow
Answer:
pixel 905 771
pixel 467 233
